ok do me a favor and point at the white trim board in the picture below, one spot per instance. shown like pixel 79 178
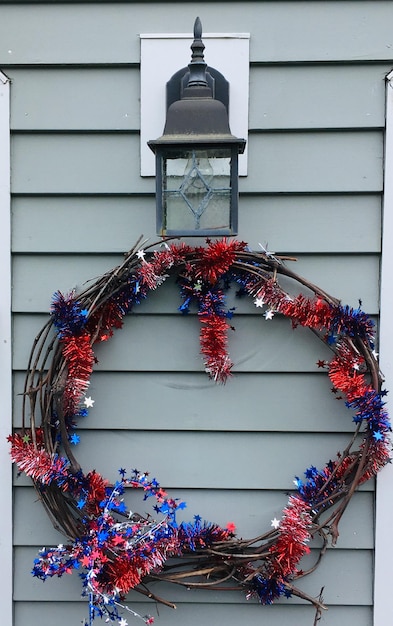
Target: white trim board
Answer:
pixel 384 496
pixel 162 55
pixel 5 355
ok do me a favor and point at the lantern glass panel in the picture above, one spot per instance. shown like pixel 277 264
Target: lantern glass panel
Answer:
pixel 197 190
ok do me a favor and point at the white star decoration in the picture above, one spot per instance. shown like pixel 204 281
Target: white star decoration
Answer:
pixel 259 302
pixel 275 523
pixel 88 402
pixel 268 253
pixel 141 255
pixel 269 314
pixel 123 622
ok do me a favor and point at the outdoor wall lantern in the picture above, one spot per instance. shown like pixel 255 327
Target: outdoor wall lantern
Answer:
pixel 197 156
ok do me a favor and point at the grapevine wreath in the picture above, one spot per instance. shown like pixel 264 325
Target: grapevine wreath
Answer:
pixel 115 550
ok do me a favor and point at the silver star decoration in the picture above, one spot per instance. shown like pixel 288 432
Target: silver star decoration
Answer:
pixel 269 314
pixel 266 251
pixel 259 302
pixel 141 255
pixel 88 402
pixel 269 254
pixel 275 523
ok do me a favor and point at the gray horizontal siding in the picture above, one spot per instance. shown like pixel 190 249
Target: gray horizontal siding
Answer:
pixel 252 514
pixel 284 162
pixel 146 343
pixel 231 615
pixel 75 99
pixel 321 31
pixel 210 460
pixel 344 588
pixel 321 96
pixel 113 223
pixel 195 403
pixel 64 273
pixel 108 98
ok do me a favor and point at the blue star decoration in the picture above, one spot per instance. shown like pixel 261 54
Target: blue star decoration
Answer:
pixel 75 439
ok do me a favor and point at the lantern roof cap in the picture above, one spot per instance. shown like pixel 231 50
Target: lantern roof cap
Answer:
pixel 197 117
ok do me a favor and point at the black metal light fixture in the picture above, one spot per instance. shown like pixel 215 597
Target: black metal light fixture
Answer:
pixel 197 156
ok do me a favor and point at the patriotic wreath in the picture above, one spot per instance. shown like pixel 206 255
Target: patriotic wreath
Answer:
pixel 115 550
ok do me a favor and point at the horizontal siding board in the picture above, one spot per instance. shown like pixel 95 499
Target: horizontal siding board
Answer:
pixel 71 99
pixel 108 98
pixel 64 273
pixel 251 511
pixel 280 31
pixel 278 162
pixel 322 96
pixel 209 460
pixel 335 576
pixel 114 224
pixel 146 343
pixel 66 613
pixel 193 402
pixel 336 573
pixel 347 277
pixel 21 480
pixel 77 164
pixel 308 221
pixel 285 162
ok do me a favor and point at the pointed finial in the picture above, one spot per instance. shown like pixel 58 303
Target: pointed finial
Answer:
pixel 197 29
pixel 197 65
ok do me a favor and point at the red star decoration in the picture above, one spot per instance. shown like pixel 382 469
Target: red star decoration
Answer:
pixel 95 554
pixel 117 539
